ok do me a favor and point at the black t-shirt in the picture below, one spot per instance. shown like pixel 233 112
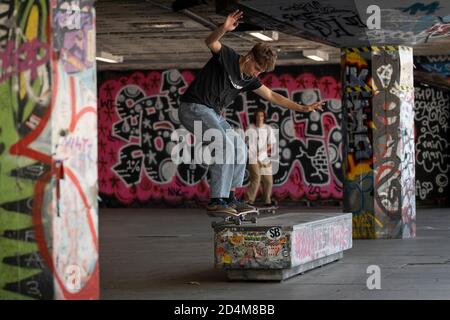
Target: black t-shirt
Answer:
pixel 220 81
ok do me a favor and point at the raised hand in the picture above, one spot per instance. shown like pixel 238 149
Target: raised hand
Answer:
pixel 315 106
pixel 232 20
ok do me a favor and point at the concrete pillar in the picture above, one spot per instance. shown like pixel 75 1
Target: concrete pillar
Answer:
pixel 379 164
pixel 48 150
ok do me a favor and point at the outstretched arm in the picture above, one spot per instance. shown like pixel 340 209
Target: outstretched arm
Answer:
pixel 232 21
pixel 280 100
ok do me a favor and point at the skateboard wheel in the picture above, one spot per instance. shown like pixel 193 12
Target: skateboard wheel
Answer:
pixel 237 221
pixel 253 220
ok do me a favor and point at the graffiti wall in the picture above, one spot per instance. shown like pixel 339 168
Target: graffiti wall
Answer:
pixel 139 110
pixel 48 150
pixel 434 64
pixel 432 115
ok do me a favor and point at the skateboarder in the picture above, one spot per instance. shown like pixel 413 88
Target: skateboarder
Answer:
pixel 224 76
pixel 260 164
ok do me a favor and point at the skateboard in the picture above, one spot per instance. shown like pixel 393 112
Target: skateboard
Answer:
pixel 228 219
pixel 271 209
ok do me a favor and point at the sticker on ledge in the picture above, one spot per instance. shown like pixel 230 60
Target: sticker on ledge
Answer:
pixel 274 233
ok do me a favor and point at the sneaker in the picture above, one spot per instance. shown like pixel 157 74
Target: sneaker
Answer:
pixel 271 204
pixel 220 207
pixel 240 206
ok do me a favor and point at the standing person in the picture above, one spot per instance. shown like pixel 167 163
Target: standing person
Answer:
pixel 261 142
pixel 218 83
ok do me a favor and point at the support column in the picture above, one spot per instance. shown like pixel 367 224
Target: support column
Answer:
pixel 379 167
pixel 48 150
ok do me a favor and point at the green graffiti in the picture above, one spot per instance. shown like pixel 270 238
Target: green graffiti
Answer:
pixel 24 83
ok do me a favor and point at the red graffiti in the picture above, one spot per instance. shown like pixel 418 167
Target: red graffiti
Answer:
pixel 24 148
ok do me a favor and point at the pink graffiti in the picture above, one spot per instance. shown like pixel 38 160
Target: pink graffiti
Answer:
pixel 176 191
pixel 110 183
pixel 312 243
pixel 27 57
pixel 296 187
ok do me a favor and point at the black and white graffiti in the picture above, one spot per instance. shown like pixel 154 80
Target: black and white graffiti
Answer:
pixel 432 115
pixel 147 123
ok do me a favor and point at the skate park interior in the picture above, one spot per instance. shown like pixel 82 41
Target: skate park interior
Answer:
pixel 88 188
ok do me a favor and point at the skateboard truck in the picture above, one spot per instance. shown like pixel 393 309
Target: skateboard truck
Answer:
pixel 271 210
pixel 229 219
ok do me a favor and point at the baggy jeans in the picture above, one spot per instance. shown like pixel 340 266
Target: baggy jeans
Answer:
pixel 224 175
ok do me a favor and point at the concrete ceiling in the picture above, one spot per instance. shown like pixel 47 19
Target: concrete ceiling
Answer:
pixel 350 23
pixel 127 28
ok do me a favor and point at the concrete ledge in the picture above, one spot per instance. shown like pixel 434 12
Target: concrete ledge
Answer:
pixel 279 247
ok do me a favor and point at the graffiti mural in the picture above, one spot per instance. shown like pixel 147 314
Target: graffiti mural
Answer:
pixel 425 27
pixel 139 110
pixel 347 22
pixel 23 272
pixel 48 193
pixel 432 115
pixel 323 19
pixel 434 64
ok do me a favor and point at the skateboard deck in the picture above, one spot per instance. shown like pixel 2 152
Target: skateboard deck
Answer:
pixel 229 219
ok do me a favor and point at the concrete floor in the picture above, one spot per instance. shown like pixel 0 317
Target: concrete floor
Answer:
pixel 168 254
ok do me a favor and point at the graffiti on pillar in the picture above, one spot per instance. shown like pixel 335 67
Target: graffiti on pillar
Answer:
pixel 359 134
pixel 432 116
pixel 394 192
pixel 49 248
pixel 139 110
pixel 379 167
pixel 6 14
pixel 74 37
pixel 74 146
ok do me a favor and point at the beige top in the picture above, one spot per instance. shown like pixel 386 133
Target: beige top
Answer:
pixel 259 141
